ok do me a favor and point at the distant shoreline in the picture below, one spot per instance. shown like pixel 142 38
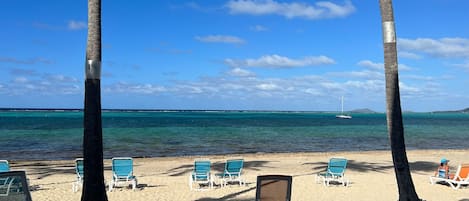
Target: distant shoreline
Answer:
pixel 360 111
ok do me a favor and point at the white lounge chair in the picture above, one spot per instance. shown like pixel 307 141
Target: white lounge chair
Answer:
pixel 335 172
pixel 201 174
pixel 460 178
pixel 232 172
pixel 79 170
pixel 122 172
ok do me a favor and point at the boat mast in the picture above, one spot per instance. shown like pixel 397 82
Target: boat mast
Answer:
pixel 342 103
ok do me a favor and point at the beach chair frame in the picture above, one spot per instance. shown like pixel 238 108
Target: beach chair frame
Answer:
pixel 79 170
pixel 124 176
pixel 232 172
pixel 201 174
pixel 460 178
pixel 273 187
pixel 335 172
pixel 16 185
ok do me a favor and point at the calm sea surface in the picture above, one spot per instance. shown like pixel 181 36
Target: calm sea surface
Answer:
pixel 58 135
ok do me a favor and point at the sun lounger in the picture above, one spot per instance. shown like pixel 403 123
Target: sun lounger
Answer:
pixel 460 178
pixel 201 174
pixel 79 170
pixel 16 187
pixel 232 172
pixel 335 172
pixel 4 166
pixel 273 188
pixel 122 172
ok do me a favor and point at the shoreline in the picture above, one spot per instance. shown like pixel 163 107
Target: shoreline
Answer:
pixel 371 175
pixel 313 153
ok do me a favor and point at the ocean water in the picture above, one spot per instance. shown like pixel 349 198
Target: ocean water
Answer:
pixel 40 135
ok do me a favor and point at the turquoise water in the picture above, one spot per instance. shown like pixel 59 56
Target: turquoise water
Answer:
pixel 58 135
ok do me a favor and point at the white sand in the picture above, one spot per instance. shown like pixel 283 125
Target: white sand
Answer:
pixel 371 175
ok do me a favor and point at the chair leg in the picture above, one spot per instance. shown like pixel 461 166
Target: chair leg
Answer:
pixel 111 185
pixel 190 182
pixel 134 184
pixel 74 187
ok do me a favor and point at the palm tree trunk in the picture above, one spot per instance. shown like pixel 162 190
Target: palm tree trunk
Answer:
pixel 393 106
pixel 93 183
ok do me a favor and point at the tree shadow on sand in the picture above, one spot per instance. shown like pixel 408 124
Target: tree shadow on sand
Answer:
pixel 366 166
pixel 41 170
pixel 230 196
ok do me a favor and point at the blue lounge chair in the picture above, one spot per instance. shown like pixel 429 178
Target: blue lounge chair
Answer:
pixel 335 172
pixel 273 187
pixel 79 170
pixel 16 187
pixel 4 166
pixel 201 173
pixel 232 172
pixel 122 172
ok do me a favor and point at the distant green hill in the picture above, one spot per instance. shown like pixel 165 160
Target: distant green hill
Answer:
pixel 454 111
pixel 364 110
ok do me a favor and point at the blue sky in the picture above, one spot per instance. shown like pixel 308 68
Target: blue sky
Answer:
pixel 235 54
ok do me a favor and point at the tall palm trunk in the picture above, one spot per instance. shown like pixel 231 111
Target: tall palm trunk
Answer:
pixel 393 106
pixel 93 184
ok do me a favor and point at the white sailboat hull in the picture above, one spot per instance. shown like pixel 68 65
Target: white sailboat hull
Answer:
pixel 343 116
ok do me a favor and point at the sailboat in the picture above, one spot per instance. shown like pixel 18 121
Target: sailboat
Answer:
pixel 342 115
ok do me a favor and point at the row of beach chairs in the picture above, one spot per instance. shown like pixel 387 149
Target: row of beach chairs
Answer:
pixel 268 186
pixel 122 173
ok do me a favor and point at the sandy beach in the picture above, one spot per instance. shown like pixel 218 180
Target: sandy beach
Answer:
pixel 370 173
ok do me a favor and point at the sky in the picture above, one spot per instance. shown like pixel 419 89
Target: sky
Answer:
pixel 235 54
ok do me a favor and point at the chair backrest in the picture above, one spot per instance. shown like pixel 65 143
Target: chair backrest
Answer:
pixel 17 188
pixel 202 166
pixel 79 168
pixel 4 166
pixel 273 188
pixel 464 172
pixel 122 166
pixel 337 165
pixel 234 165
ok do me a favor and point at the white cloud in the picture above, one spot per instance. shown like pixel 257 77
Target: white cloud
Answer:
pixel 366 74
pixel 371 65
pixel 267 86
pixel 220 39
pixel 443 48
pixel 240 72
pixel 277 61
pixel 76 25
pixel 403 67
pixel 43 85
pixel 259 28
pixel 320 10
pixel 380 66
pixel 37 60
pixel 462 65
pixel 20 80
pixel 376 86
pixel 408 55
pixel 124 87
pixel 407 90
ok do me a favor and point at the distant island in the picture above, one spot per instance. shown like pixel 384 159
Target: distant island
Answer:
pixel 466 110
pixel 363 110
